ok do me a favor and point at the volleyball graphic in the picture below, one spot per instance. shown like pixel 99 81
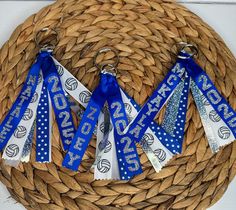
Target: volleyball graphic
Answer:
pixel 60 70
pixel 12 150
pixel 107 147
pixel 148 138
pixel 71 84
pixel 20 131
pixel 205 101
pixel 34 98
pixel 104 165
pixel 214 116
pixel 128 108
pixel 144 146
pixel 84 96
pixel 224 132
pixel 102 127
pixel 161 154
pixel 28 114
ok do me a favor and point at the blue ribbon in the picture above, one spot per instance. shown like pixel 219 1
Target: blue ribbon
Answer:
pixel 165 138
pixel 87 124
pixel 154 104
pixel 18 109
pixel 206 86
pixel 43 129
pixel 175 115
pixel 127 156
pixel 59 101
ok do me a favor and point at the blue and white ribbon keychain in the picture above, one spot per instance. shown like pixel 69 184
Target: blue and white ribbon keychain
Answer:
pixel 218 117
pixel 33 103
pixel 107 90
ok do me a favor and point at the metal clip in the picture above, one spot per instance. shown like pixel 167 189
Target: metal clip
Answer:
pixel 185 48
pixel 46 46
pixel 107 68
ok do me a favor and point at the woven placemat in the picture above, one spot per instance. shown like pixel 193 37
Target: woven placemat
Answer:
pixel 144 32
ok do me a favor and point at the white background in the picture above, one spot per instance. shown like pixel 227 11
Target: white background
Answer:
pixel 220 14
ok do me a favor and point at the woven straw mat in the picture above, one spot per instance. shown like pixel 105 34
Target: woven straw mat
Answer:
pixel 144 33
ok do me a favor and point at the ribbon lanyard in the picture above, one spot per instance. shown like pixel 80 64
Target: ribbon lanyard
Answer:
pixel 33 104
pixel 107 90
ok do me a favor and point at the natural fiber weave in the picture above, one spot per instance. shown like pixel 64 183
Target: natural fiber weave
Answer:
pixel 144 32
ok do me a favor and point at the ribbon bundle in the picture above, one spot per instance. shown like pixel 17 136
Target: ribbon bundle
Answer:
pixel 113 116
pixel 33 106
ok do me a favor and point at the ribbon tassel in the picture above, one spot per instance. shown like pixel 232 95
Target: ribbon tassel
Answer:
pixel 16 131
pixel 217 116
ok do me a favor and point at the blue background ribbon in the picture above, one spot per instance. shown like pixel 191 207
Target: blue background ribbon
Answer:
pixel 127 155
pixel 59 101
pixel 42 128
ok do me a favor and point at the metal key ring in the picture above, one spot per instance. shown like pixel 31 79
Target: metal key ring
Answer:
pixel 103 67
pixel 47 45
pixel 194 50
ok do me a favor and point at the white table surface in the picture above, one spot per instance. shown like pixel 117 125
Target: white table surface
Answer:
pixel 221 17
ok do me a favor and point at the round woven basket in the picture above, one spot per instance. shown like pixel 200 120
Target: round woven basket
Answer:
pixel 144 32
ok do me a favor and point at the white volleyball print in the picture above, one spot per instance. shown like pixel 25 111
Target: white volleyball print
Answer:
pixel 60 70
pixel 20 131
pixel 12 150
pixel 107 147
pixel 128 108
pixel 214 116
pixel 161 154
pixel 28 114
pixel 103 165
pixel 71 84
pixel 84 96
pixel 148 138
pixel 102 127
pixel 34 98
pixel 224 132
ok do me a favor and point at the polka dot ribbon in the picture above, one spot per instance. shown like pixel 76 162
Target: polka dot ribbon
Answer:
pixel 175 115
pixel 43 131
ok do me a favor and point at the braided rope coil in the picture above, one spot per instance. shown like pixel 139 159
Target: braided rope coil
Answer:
pixel 144 32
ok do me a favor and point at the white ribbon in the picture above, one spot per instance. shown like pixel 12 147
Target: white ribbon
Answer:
pixel 217 132
pixel 13 151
